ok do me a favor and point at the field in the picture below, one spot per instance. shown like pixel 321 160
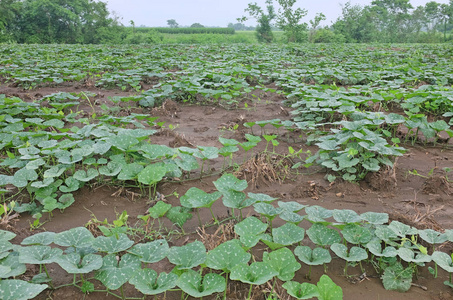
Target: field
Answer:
pixel 232 171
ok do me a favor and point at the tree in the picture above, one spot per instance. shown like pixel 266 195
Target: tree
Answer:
pixel 355 24
pixel 392 18
pixel 315 24
pixel 196 25
pixel 263 30
pixel 172 23
pixel 289 20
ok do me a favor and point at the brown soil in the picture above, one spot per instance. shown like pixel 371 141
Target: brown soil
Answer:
pixel 424 202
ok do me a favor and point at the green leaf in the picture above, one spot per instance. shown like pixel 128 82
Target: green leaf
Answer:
pixel 346 216
pixel 179 215
pixel 114 273
pixel 401 229
pixel 78 237
pixel 317 213
pixel 159 209
pixel 356 234
pixel 432 236
pixel 73 263
pixel 375 218
pixel 6 235
pixel 207 153
pixel 17 289
pixel 122 141
pixel 257 273
pixel 157 151
pixel 111 169
pixel 230 183
pixel 151 252
pixel 187 162
pixel 282 261
pixel 396 278
pixel 355 253
pixel 188 256
pixel 250 226
pixel 315 257
pixel 152 174
pixel 193 284
pixel 196 198
pixel 23 176
pixel 147 282
pixel 55 171
pixel 291 217
pixel 42 238
pixel 288 234
pixel 267 210
pixel 290 206
pixel 112 244
pixel 410 256
pixel 12 265
pixel 130 171
pixel 328 290
pixel 301 290
pixel 234 199
pixel 38 255
pixel 323 236
pixel 226 256
pixel 443 260
pixel 72 185
pixel 376 249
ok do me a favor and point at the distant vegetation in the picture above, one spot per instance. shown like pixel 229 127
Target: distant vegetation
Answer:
pixel 90 22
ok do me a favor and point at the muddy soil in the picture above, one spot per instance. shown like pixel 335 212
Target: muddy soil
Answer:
pixel 422 200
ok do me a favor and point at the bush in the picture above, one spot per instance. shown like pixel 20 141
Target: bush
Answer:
pixel 327 36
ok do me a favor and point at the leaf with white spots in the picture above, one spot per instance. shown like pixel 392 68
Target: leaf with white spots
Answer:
pixel 11 262
pixel 328 290
pixel 375 218
pixel 196 286
pixel 187 256
pixel 226 256
pixel 288 234
pixel 317 213
pixel 39 255
pixel 114 273
pixel 355 254
pixel 196 198
pixel 346 216
pixel 282 261
pixel 19 290
pixel 315 257
pixel 112 244
pixel 42 238
pixel 151 252
pixel 78 237
pixel 73 263
pixel 303 290
pixel 257 273
pixel 147 282
pixel 322 235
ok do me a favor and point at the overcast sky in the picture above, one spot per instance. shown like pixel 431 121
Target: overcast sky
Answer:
pixel 155 13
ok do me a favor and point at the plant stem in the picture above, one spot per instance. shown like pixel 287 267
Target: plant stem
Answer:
pixel 250 292
pixel 226 286
pixel 213 216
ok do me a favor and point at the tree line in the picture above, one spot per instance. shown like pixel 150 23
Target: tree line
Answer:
pixel 385 21
pixel 90 22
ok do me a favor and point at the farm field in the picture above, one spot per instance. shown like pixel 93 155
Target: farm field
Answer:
pixel 235 171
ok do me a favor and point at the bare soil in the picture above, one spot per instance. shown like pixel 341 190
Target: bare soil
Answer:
pixel 423 201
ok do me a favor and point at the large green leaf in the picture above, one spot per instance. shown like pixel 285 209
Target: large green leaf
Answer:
pixel 282 261
pixel 196 286
pixel 443 260
pixel 19 290
pixel 73 263
pixel 226 256
pixel 151 252
pixel 401 229
pixel 356 234
pixel 122 141
pixel 355 254
pixel 317 213
pixel 111 169
pixel 257 273
pixel 328 290
pixel 39 255
pixel 78 237
pixel 410 256
pixel 13 266
pixel 230 183
pixel 346 216
pixel 267 210
pixel 159 209
pixel 195 198
pixel 114 273
pixel 288 234
pixel 397 278
pixel 179 215
pixel 148 283
pixel 432 236
pixel 113 243
pixel 152 174
pixel 375 218
pixel 42 238
pixel 23 176
pixel 375 248
pixel 322 235
pixel 303 290
pixel 188 256
pixel 317 256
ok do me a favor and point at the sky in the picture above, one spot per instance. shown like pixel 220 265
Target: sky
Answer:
pixel 155 13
